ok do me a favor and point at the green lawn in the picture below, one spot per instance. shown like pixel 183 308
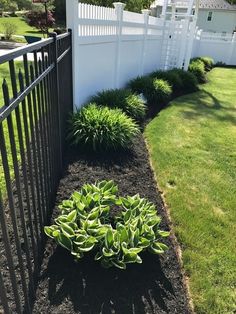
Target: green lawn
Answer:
pixel 4 73
pixel 22 27
pixel 193 151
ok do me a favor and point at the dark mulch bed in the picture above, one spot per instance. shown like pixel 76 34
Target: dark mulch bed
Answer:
pixel 156 286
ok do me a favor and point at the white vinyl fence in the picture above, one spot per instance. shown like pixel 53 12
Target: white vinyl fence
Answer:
pixel 112 46
pixel 221 47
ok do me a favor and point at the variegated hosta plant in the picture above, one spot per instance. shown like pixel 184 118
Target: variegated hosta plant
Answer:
pixel 85 224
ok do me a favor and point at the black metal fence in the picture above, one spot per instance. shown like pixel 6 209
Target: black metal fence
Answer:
pixel 37 97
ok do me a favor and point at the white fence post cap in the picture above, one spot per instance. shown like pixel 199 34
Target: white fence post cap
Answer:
pixel 118 5
pixel 146 11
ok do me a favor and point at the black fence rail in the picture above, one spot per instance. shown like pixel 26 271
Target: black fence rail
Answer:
pixel 36 100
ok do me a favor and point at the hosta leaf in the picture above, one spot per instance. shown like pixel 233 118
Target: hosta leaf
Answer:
pixel 86 247
pixel 64 241
pixel 94 215
pixel 124 235
pixel 136 237
pixel 119 264
pixel 61 219
pixel 130 258
pixel 163 234
pixel 127 216
pixel 67 230
pixel 71 217
pixel 144 243
pixel 109 238
pixel 108 253
pixel 49 230
pixel 158 248
pixel 98 256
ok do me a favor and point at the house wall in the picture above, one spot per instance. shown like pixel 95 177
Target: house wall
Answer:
pixel 222 21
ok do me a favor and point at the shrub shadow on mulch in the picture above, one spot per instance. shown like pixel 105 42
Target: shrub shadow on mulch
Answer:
pixel 155 286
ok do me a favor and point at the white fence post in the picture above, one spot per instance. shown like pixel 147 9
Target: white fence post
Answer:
pixel 119 8
pixel 231 50
pixel 145 13
pixel 72 21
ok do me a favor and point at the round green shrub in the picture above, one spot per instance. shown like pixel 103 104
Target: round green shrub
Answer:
pixel 124 99
pixel 101 128
pixel 171 77
pixel 189 81
pixel 198 69
pixel 87 225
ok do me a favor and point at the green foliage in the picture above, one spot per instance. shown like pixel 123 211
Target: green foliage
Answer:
pixel 8 5
pixel 156 91
pixel 172 77
pixel 161 92
pixel 141 85
pixel 101 128
pixel 131 5
pixel 8 29
pixel 189 80
pixel 85 224
pixel 197 67
pixel 124 99
pixel 208 62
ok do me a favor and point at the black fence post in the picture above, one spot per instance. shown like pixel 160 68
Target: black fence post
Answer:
pixel 71 67
pixel 55 57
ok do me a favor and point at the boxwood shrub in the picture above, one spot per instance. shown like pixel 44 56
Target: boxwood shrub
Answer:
pixel 197 67
pixel 86 224
pixel 101 128
pixel 124 99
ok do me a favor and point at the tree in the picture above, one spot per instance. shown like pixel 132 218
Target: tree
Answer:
pixel 131 5
pixel 24 4
pixel 40 20
pixel 8 5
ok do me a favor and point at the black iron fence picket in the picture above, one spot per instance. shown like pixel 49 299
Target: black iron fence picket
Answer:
pixel 37 98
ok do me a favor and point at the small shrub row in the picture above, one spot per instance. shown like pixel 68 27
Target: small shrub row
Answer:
pixel 86 225
pixel 110 120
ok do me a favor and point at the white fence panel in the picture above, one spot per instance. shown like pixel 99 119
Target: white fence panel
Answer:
pixel 221 47
pixel 112 46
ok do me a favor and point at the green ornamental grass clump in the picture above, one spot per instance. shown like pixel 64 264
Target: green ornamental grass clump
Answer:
pixel 161 92
pixel 142 85
pixel 101 129
pixel 197 67
pixel 172 77
pixel 189 81
pixel 86 224
pixel 208 62
pixel 124 99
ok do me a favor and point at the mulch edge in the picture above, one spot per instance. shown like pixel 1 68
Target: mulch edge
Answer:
pixel 176 246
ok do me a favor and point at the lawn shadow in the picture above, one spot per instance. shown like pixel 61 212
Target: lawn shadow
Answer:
pixel 214 110
pixel 92 289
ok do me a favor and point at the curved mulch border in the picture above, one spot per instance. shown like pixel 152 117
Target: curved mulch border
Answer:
pixel 156 286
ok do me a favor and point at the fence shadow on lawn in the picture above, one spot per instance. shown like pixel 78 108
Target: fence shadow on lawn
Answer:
pixel 201 107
